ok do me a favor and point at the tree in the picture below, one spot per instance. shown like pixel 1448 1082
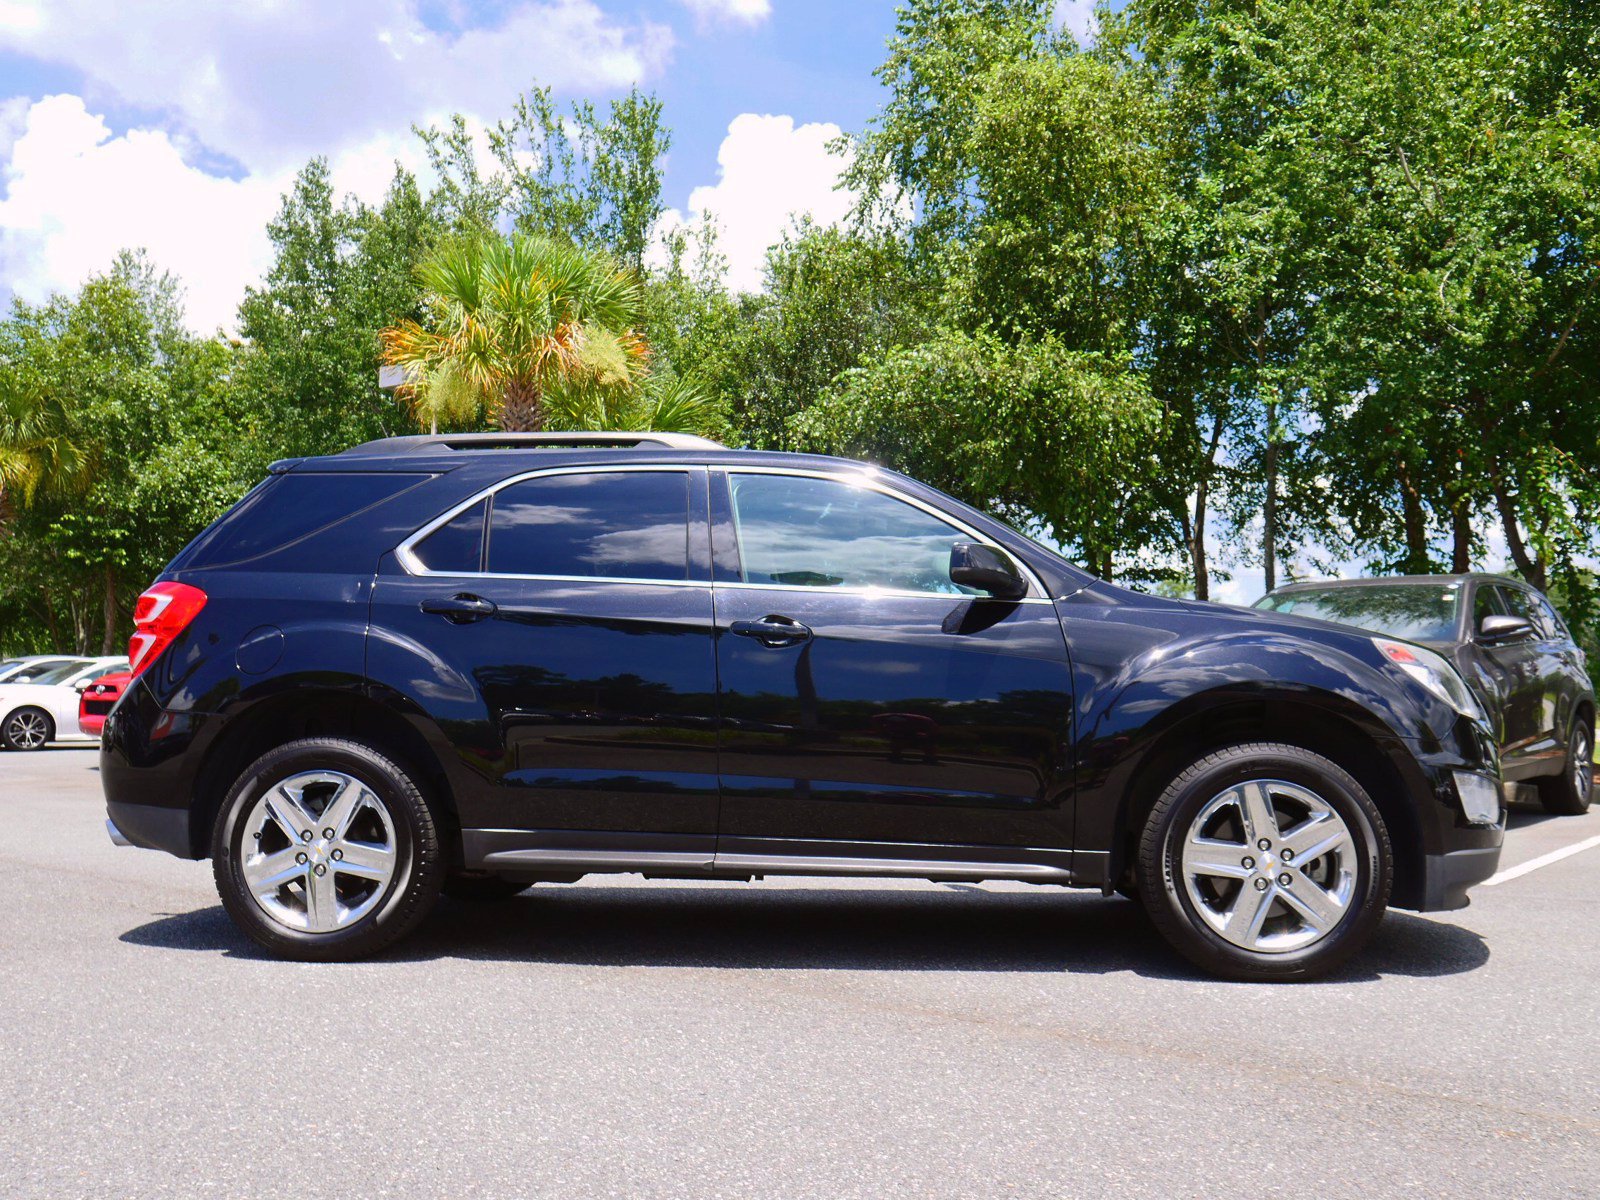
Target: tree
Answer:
pixel 518 319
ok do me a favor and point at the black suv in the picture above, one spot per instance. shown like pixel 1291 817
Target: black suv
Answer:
pixel 472 664
pixel 1510 645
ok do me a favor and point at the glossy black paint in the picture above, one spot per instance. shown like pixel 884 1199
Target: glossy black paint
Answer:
pixel 1535 686
pixel 709 726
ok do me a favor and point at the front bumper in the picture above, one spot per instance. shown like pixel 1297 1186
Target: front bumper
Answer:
pixel 1446 877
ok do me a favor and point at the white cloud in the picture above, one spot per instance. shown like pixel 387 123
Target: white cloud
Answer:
pixel 1077 16
pixel 272 83
pixel 770 172
pixel 749 12
pixel 74 195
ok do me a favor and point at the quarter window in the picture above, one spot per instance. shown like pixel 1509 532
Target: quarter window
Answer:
pixel 456 547
pixel 608 525
pixel 801 531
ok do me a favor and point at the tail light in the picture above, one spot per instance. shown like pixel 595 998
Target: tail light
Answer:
pixel 161 614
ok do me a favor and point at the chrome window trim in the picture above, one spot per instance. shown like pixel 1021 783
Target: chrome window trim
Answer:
pixel 869 478
pixel 405 552
pixel 866 477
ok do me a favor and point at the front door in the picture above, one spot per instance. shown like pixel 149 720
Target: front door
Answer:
pixel 559 633
pixel 870 707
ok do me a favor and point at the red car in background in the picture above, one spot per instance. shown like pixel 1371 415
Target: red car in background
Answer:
pixel 97 700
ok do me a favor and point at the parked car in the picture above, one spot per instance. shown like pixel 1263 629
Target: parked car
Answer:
pixel 45 709
pixel 23 670
pixel 479 663
pixel 98 699
pixel 1510 645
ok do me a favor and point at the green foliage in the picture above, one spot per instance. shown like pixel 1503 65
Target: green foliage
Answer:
pixel 1056 440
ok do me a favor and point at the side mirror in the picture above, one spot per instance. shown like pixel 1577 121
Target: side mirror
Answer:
pixel 82 685
pixel 987 568
pixel 1499 627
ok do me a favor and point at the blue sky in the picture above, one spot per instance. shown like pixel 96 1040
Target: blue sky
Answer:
pixel 176 126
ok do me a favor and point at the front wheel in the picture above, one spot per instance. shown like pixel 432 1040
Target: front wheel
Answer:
pixel 28 729
pixel 1569 793
pixel 325 850
pixel 1265 862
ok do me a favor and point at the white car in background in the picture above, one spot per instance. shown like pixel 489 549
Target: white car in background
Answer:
pixel 45 709
pixel 22 670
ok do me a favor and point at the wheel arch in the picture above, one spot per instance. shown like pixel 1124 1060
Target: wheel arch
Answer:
pixel 303 713
pixel 1325 724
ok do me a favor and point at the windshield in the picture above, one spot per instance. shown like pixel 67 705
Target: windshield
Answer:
pixel 1416 612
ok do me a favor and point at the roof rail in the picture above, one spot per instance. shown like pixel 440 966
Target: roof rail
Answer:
pixel 621 440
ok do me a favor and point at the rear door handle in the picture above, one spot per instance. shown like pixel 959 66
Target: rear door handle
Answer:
pixel 459 609
pixel 773 631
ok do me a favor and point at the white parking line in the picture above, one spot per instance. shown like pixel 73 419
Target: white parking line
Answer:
pixel 1544 860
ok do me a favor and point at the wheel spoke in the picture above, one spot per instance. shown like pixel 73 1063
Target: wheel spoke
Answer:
pixel 322 903
pixel 1207 856
pixel 365 860
pixel 266 873
pixel 1246 916
pixel 1316 836
pixel 290 814
pixel 1316 906
pixel 347 802
pixel 1256 804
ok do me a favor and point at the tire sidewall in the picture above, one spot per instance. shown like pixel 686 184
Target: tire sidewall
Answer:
pixel 1369 896
pixel 394 790
pixel 5 729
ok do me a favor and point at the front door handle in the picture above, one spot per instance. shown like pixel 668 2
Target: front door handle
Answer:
pixel 773 631
pixel 459 609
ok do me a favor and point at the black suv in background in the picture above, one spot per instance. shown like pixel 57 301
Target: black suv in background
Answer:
pixel 1510 645
pixel 472 664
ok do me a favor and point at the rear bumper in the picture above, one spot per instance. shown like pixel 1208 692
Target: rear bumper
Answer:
pixel 148 759
pixel 149 827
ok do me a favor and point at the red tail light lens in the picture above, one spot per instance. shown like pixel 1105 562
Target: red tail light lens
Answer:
pixel 161 614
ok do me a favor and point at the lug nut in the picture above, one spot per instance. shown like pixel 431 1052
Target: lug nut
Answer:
pixel 1287 855
pixel 328 833
pixel 320 869
pixel 1261 885
pixel 1264 844
pixel 300 858
pixel 338 855
pixel 305 835
pixel 1284 879
pixel 1249 864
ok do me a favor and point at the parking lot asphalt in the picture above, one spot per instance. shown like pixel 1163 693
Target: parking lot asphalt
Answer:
pixel 816 1038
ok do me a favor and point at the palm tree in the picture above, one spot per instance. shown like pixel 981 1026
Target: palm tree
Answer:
pixel 37 451
pixel 515 320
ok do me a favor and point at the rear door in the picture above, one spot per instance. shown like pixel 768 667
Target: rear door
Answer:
pixel 872 709
pixel 1522 673
pixel 559 632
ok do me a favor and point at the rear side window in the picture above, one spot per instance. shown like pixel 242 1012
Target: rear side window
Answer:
pixel 1536 609
pixel 456 547
pixel 289 507
pixel 608 525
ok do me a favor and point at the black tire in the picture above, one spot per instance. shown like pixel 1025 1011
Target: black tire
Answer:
pixel 15 737
pixel 399 905
pixel 1166 894
pixel 483 889
pixel 1570 793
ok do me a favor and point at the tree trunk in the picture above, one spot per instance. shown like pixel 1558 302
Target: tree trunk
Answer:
pixel 1461 534
pixel 1269 507
pixel 108 641
pixel 1528 567
pixel 1415 519
pixel 1197 535
pixel 522 407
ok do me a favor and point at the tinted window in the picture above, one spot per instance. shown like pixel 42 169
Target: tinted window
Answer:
pixel 456 547
pixel 1535 609
pixel 1487 602
pixel 617 525
pixel 1417 612
pixel 287 508
pixel 806 532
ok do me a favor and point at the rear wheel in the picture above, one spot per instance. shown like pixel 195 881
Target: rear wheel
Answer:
pixel 1265 862
pixel 325 850
pixel 28 729
pixel 1570 793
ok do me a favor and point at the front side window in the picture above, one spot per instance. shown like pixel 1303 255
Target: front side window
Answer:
pixel 1536 610
pixel 607 525
pixel 800 531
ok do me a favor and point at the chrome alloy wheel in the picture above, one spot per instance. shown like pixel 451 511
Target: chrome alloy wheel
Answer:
pixel 28 729
pixel 319 851
pixel 1270 866
pixel 1582 765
